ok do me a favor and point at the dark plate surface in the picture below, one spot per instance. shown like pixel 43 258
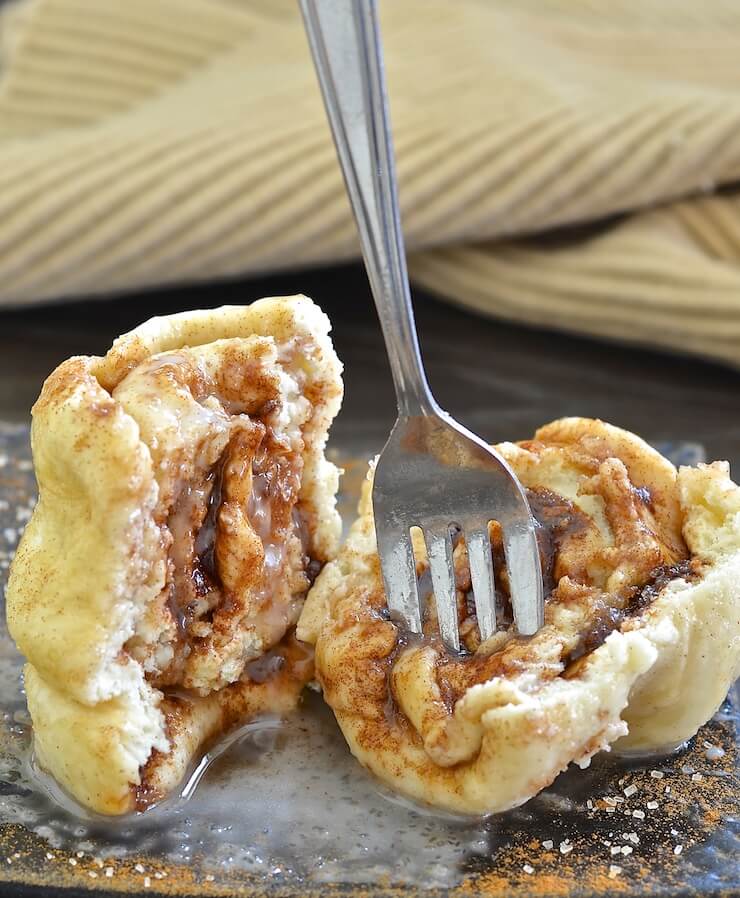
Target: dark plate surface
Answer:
pixel 285 809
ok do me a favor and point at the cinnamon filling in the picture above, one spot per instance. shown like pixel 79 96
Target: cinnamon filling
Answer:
pixel 204 569
pixel 557 520
pixel 611 617
pixel 560 523
pixel 239 554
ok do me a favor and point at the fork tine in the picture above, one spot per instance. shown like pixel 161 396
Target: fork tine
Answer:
pixel 439 550
pixel 481 575
pixel 525 577
pixel 399 574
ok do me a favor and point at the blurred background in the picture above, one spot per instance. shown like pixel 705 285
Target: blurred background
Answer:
pixel 568 176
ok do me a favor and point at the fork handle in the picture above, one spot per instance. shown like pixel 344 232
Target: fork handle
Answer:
pixel 346 48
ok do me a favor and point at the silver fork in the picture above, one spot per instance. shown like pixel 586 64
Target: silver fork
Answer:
pixel 432 473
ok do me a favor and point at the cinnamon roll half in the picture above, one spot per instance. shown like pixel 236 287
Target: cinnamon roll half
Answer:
pixel 640 645
pixel 185 507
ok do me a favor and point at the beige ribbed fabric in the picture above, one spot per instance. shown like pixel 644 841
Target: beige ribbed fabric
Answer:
pixel 668 278
pixel 166 141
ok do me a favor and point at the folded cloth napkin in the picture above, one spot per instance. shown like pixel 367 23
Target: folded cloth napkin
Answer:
pixel 162 141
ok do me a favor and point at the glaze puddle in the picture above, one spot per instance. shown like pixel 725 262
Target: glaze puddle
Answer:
pixel 284 799
pixel 279 797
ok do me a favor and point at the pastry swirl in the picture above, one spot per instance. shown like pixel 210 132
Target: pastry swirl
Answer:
pixel 640 644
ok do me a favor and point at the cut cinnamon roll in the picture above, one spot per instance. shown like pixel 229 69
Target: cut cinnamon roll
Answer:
pixel 641 639
pixel 185 507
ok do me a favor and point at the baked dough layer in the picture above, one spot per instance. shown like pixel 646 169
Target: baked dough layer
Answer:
pixel 184 503
pixel 641 639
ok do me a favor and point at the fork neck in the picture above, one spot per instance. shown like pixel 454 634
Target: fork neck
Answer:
pixel 393 304
pixel 346 47
pixel 373 193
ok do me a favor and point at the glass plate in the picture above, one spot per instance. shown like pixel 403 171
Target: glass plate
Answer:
pixel 282 808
